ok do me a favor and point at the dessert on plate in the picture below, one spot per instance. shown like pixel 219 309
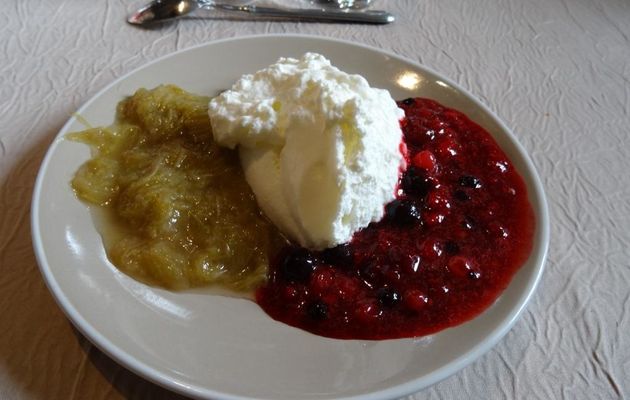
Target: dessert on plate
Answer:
pixel 341 211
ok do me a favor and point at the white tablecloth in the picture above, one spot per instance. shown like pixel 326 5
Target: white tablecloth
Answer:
pixel 556 71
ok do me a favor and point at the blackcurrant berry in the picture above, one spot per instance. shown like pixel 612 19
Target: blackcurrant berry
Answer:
pixel 341 255
pixel 403 212
pixel 298 265
pixel 451 247
pixel 461 195
pixel 388 297
pixel 470 182
pixel 408 101
pixel 416 182
pixel 318 310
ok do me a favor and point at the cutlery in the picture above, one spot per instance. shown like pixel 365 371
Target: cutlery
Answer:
pixel 164 10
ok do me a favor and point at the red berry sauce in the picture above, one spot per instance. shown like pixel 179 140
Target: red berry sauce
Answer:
pixel 445 250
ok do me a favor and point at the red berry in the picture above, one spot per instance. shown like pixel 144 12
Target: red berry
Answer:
pixel 367 311
pixel 291 293
pixel 322 279
pixel 497 230
pixel 436 123
pixel 431 249
pixel 346 288
pixel 433 218
pixel 425 160
pixel 415 300
pixel 448 148
pixel 460 266
pixel 330 298
pixel 439 200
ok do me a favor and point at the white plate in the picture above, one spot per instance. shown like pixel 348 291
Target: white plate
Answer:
pixel 211 346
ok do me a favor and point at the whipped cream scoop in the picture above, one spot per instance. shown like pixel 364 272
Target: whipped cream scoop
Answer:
pixel 321 149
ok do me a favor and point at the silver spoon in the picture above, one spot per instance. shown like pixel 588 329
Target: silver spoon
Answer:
pixel 163 10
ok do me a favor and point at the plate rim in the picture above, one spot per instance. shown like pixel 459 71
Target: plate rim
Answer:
pixel 178 385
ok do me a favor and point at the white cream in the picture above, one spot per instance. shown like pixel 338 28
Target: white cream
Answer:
pixel 320 148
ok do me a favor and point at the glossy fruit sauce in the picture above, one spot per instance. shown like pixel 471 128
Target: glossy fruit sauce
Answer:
pixel 447 247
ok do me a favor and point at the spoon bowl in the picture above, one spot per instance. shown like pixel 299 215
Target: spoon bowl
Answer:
pixel 162 10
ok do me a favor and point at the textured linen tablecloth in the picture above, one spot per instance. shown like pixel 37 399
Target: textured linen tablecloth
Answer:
pixel 556 71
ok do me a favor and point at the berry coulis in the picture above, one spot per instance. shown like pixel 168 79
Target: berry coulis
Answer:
pixel 459 229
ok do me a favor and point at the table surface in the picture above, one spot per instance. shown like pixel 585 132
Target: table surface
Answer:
pixel 556 71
